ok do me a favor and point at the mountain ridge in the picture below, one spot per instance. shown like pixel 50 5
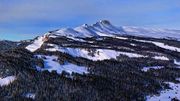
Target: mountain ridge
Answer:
pixel 105 28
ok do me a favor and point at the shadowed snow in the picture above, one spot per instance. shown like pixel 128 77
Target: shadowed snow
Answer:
pixel 161 58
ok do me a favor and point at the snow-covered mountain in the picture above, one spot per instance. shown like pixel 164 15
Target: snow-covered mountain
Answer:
pixel 101 28
pixel 98 62
pixel 105 28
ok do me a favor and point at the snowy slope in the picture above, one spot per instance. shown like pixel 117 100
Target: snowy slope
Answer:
pixel 162 45
pixel 152 32
pixel 105 28
pixel 35 45
pixel 101 28
pixel 51 63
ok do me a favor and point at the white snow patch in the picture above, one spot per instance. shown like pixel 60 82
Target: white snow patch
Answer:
pixel 52 45
pixel 178 79
pixel 167 94
pixel 122 38
pixel 98 54
pixel 30 95
pixel 161 58
pixel 55 48
pixel 145 69
pixel 7 80
pixel 132 55
pixel 162 45
pixel 177 62
pixel 133 44
pixel 36 45
pixel 51 63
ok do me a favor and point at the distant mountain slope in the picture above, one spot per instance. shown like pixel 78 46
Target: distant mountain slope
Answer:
pixel 152 32
pixel 5 45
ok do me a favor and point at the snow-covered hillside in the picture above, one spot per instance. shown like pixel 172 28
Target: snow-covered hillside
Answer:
pixel 51 63
pixel 126 63
pixel 104 28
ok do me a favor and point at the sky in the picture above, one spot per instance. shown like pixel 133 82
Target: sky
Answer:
pixel 25 19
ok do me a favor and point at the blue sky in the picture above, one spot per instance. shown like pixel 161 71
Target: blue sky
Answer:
pixel 24 19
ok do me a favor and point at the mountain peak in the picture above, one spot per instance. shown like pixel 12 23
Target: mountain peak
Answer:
pixel 106 22
pixel 105 28
pixel 85 25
